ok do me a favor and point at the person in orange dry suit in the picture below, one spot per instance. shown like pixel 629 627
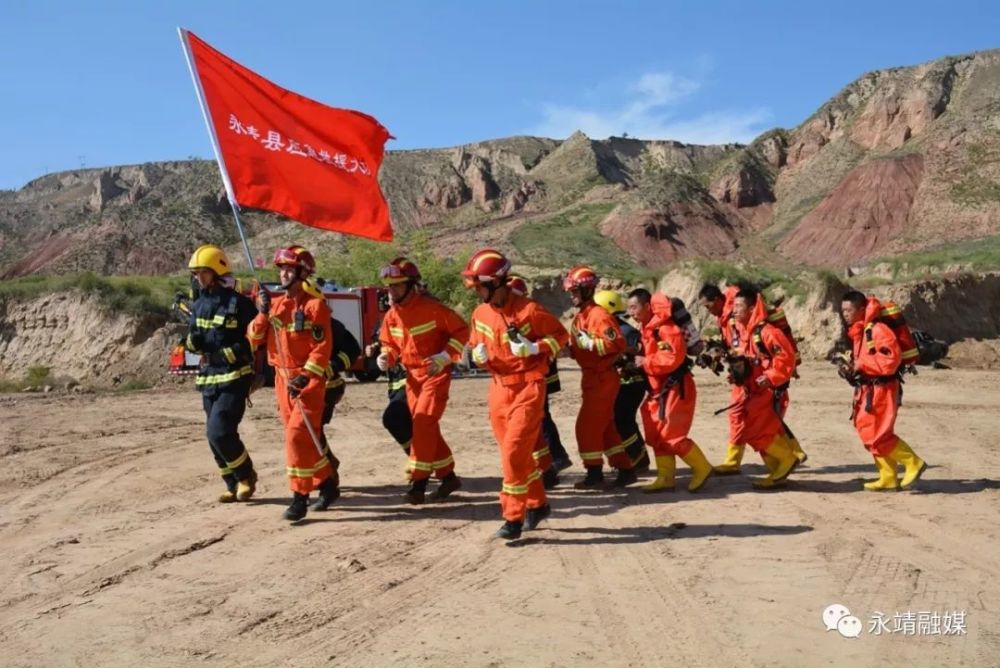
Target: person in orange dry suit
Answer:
pixel 427 337
pixel 762 361
pixel 720 304
pixel 668 411
pixel 874 373
pixel 515 339
pixel 596 342
pixel 295 328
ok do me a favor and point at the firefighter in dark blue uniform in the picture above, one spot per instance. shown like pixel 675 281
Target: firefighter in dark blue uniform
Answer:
pixel 633 387
pixel 217 331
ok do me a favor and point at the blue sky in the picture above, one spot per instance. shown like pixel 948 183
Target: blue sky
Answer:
pixel 102 83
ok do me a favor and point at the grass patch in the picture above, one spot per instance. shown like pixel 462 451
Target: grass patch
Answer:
pixel 973 255
pixel 133 295
pixel 571 238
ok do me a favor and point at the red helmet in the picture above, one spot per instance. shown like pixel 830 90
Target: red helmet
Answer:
pixel 399 270
pixel 486 266
pixel 296 256
pixel 581 276
pixel 518 285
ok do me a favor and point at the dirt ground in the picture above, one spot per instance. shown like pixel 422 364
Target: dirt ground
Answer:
pixel 115 553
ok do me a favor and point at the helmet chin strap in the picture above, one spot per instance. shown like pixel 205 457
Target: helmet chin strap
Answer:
pixel 587 293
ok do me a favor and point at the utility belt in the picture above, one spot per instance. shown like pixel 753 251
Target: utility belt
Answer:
pixel 675 379
pixel 866 384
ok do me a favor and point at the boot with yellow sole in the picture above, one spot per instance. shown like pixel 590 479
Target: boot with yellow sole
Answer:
pixel 666 467
pixel 731 464
pixel 887 481
pixel 913 466
pixel 780 461
pixel 701 470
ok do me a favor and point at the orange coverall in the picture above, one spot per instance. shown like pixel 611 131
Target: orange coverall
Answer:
pixel 412 332
pixel 517 393
pixel 737 414
pixel 758 421
pixel 876 399
pixel 665 351
pixel 299 345
pixel 596 435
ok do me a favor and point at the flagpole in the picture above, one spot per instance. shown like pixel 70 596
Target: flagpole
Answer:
pixel 230 195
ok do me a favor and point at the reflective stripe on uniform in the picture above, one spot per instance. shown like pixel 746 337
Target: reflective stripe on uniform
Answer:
pixel 441 463
pixel 538 454
pixel 592 457
pixel 397 384
pixel 218 378
pixel 239 460
pixel 599 344
pixel 614 450
pixel 314 368
pixel 629 441
pixel 230 355
pixel 416 465
pixel 553 346
pixel 307 473
pixel 456 345
pixel 225 471
pixel 345 359
pixel 484 329
pixel 521 489
pixel 396 332
pixel 424 328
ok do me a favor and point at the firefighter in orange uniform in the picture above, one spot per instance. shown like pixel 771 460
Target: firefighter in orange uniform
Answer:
pixel 544 453
pixel 427 337
pixel 668 411
pixel 596 342
pixel 876 360
pixel 515 338
pixel 295 328
pixel 757 375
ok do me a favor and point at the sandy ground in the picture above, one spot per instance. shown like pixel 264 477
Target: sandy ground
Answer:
pixel 115 553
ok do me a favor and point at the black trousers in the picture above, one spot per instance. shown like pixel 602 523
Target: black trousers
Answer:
pixel 397 420
pixel 627 402
pixel 224 409
pixel 550 432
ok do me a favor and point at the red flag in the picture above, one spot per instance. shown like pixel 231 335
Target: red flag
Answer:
pixel 286 153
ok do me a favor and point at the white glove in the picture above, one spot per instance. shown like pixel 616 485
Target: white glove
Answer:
pixel 438 362
pixel 522 348
pixel 479 355
pixel 583 340
pixel 382 362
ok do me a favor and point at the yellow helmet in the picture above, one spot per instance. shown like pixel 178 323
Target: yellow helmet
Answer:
pixel 610 301
pixel 211 257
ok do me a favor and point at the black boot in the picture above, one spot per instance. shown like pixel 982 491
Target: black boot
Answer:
pixel 509 531
pixel 595 478
pixel 328 493
pixel 550 478
pixel 642 465
pixel 297 510
pixel 624 478
pixel 536 515
pixel 415 495
pixel 450 483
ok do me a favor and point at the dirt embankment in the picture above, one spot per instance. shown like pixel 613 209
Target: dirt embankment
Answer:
pixel 77 337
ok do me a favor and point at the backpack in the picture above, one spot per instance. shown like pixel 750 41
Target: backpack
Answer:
pixel 890 315
pixel 776 316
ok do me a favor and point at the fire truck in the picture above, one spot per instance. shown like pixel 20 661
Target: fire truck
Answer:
pixel 357 308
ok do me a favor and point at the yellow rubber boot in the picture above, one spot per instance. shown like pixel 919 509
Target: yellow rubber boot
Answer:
pixel 734 456
pixel 781 463
pixel 887 480
pixel 700 468
pixel 914 466
pixel 800 455
pixel 666 467
pixel 227 497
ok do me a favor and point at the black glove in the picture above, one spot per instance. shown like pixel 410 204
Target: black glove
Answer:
pixel 264 302
pixel 847 372
pixel 297 384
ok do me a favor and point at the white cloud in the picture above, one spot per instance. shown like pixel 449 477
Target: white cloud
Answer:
pixel 650 109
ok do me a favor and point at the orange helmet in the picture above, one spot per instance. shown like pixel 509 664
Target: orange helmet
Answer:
pixel 296 256
pixel 399 270
pixel 580 276
pixel 486 266
pixel 518 285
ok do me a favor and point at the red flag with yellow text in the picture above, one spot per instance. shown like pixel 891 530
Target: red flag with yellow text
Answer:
pixel 285 153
